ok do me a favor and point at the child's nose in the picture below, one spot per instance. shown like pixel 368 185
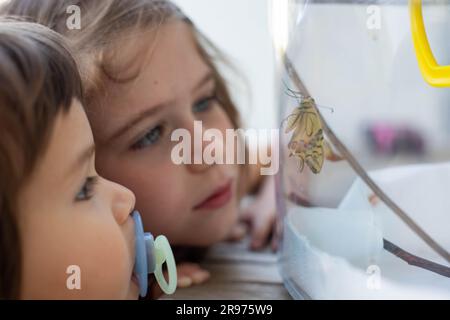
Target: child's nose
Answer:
pixel 123 203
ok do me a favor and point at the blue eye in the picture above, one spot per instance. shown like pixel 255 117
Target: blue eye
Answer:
pixel 87 191
pixel 149 139
pixel 204 105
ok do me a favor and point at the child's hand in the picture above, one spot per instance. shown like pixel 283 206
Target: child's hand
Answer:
pixel 191 274
pixel 188 274
pixel 260 215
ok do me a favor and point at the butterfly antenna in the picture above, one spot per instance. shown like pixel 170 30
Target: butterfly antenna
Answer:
pixel 298 93
pixel 328 108
pixel 295 93
pixel 291 95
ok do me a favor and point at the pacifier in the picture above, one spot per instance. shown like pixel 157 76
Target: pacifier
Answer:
pixel 150 256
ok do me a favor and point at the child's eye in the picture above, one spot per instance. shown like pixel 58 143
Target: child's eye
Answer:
pixel 150 138
pixel 87 191
pixel 204 104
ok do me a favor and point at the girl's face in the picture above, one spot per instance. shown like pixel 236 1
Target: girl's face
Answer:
pixel 190 204
pixel 68 216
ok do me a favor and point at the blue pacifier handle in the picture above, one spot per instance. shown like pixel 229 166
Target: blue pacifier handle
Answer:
pixel 150 256
pixel 140 266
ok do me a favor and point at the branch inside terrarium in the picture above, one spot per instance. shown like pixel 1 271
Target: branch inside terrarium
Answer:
pixel 415 260
pixel 361 172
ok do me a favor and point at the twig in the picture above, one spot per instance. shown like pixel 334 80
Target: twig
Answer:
pixel 342 149
pixel 415 260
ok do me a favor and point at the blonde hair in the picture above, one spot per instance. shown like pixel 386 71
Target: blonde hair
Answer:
pixel 106 21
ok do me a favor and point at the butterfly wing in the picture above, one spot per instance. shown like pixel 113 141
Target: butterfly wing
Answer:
pixel 315 153
pixel 307 125
pixel 292 120
pixel 307 141
pixel 311 153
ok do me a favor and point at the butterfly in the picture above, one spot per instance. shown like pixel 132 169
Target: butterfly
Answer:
pixel 307 142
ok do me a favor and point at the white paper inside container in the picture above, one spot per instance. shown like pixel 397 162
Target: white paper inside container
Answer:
pixel 350 234
pixel 327 251
pixel 323 276
pixel 423 192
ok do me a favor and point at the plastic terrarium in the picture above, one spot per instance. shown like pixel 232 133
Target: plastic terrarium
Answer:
pixel 363 190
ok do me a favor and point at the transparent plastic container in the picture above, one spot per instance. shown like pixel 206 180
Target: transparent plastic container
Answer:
pixel 374 223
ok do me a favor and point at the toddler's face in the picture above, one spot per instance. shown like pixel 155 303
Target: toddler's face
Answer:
pixel 68 216
pixel 190 204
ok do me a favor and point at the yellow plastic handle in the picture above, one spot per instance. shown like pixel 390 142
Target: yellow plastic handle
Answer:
pixel 434 74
